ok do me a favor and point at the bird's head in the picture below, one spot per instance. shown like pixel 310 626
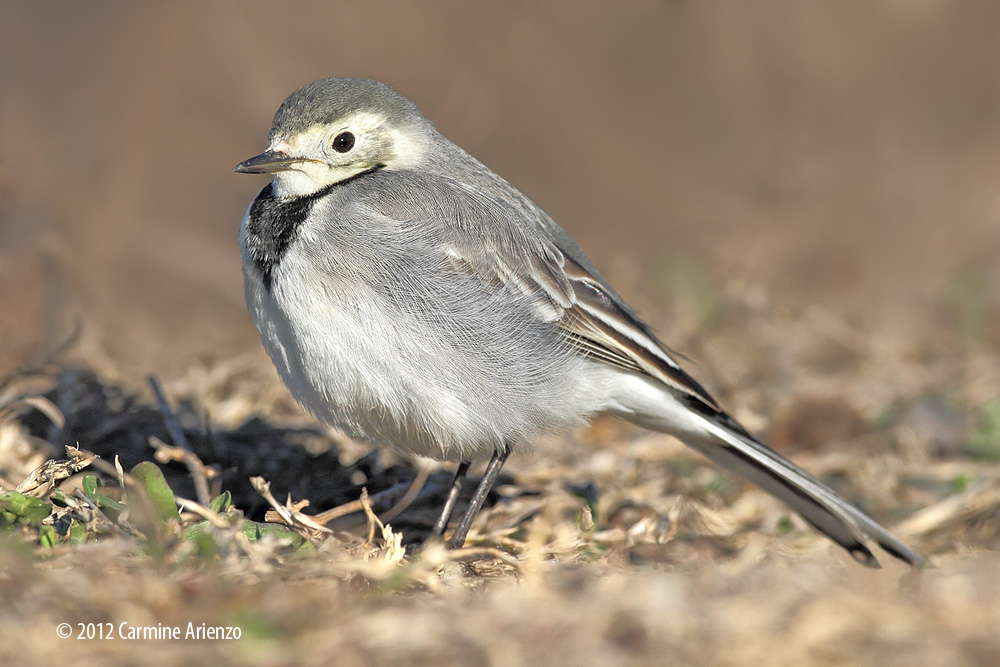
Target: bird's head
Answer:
pixel 335 129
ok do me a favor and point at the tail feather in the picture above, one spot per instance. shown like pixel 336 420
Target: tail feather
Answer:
pixel 735 450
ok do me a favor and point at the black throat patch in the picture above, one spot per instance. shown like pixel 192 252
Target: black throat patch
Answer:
pixel 275 224
pixel 272 227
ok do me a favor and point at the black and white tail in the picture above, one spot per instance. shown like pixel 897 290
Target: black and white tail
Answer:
pixel 728 445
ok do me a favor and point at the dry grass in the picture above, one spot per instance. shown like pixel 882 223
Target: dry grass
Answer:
pixel 799 196
pixel 615 546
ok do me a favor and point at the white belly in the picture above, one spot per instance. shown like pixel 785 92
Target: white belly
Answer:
pixel 389 377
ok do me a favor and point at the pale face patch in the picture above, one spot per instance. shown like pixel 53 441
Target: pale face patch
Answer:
pixel 376 144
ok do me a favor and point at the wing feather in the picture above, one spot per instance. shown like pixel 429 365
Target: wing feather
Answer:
pixel 594 319
pixel 506 252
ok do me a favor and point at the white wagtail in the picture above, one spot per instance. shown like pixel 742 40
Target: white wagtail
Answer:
pixel 413 298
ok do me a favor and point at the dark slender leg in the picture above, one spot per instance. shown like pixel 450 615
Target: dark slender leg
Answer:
pixel 449 504
pixel 483 490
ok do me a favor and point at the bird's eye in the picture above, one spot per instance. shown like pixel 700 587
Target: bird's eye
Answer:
pixel 343 142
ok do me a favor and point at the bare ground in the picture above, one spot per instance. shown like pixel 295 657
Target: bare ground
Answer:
pixel 802 200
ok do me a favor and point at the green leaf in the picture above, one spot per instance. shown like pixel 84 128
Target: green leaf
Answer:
pixel 48 536
pixel 160 495
pixel 107 502
pixel 77 533
pixel 221 503
pixel 201 536
pixel 90 484
pixel 256 531
pixel 17 509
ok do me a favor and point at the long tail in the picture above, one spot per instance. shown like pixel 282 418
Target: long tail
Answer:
pixel 735 450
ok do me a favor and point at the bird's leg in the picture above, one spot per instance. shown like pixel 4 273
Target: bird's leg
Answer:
pixel 449 504
pixel 483 490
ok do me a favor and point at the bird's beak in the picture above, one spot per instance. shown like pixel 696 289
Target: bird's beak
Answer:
pixel 268 162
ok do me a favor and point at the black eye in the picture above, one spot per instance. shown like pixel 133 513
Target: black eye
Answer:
pixel 343 142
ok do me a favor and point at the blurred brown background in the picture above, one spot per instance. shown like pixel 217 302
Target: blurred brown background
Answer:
pixel 840 156
pixel 803 197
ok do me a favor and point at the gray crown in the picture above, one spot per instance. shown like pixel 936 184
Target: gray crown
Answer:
pixel 322 102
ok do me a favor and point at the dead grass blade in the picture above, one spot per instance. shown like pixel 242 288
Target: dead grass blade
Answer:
pixel 391 551
pixel 952 511
pixel 40 403
pixel 193 463
pixel 200 472
pixel 423 472
pixel 50 473
pixel 289 514
pixel 388 495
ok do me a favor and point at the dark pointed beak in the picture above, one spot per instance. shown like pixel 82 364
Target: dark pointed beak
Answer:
pixel 268 162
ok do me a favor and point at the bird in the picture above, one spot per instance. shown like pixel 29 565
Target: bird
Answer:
pixel 412 298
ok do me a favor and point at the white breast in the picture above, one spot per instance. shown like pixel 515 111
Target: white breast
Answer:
pixel 386 377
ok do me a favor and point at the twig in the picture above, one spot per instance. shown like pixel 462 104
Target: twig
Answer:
pixel 473 553
pixel 173 428
pixel 288 514
pixel 356 505
pixel 272 516
pixel 948 511
pixel 51 472
pixel 200 473
pixel 98 518
pixel 392 550
pixel 193 463
pixel 202 511
pixel 423 472
pixel 111 470
pixel 40 403
pixel 120 472
pixel 366 505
